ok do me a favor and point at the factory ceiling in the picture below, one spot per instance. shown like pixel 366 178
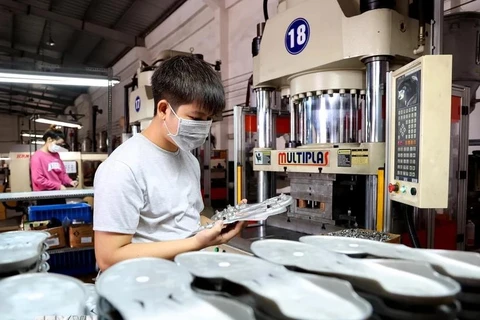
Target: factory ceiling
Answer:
pixel 71 34
pixel 78 34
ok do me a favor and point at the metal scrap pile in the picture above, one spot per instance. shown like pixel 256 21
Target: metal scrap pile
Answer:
pixel 361 234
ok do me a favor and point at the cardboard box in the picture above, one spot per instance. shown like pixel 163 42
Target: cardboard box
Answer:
pixel 57 238
pixel 3 212
pixel 11 224
pixel 35 225
pixel 81 235
pixel 394 238
pixel 3 209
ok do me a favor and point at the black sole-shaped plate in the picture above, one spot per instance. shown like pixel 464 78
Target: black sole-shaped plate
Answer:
pixel 464 267
pixel 395 279
pixel 151 288
pixel 282 293
pixel 27 296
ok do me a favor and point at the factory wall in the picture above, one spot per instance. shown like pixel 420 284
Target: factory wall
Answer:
pixel 9 132
pixel 10 128
pixel 217 34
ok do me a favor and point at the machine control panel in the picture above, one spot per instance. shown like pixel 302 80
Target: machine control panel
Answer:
pixel 419 133
pixel 407 115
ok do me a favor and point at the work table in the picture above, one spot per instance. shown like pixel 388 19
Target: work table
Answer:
pixel 252 234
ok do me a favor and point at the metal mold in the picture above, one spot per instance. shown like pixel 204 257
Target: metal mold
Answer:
pixel 251 212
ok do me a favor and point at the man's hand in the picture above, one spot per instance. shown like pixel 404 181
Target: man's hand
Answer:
pixel 74 183
pixel 62 187
pixel 218 234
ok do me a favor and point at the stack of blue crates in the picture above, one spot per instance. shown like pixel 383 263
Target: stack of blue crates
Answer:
pixel 75 262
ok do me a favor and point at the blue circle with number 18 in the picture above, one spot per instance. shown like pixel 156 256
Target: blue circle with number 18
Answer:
pixel 297 36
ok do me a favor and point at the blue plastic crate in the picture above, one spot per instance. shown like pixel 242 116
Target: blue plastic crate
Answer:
pixel 73 263
pixel 75 211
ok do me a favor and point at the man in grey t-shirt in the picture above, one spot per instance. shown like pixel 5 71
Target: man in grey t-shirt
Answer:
pixel 147 193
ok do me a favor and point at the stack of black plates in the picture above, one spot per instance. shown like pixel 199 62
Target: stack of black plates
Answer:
pixel 23 252
pixel 41 295
pixel 470 300
pixel 271 290
pixel 396 289
pixel 150 288
pixel 92 298
pixel 463 267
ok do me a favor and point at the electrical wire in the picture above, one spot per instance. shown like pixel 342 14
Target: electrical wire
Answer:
pixel 411 228
pixel 265 10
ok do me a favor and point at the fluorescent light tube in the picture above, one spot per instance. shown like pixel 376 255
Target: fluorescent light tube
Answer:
pixel 31 135
pixel 4 159
pixel 58 122
pixel 56 79
pixel 38 142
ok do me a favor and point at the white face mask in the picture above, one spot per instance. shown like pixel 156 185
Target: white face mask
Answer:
pixel 191 134
pixel 54 148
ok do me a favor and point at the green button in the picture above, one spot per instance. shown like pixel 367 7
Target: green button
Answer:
pixel 217 249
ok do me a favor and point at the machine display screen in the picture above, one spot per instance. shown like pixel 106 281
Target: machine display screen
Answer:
pixel 407 131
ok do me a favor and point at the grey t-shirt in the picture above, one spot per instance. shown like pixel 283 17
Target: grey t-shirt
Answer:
pixel 148 192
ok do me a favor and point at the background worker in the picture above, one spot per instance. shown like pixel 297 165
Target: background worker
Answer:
pixel 47 169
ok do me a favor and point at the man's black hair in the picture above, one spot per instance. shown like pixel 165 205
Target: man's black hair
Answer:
pixel 187 79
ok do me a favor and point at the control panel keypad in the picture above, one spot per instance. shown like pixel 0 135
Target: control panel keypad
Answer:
pixel 407 113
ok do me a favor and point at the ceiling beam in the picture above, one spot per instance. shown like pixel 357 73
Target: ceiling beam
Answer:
pixel 30 55
pixel 215 4
pixel 174 7
pixel 29 106
pixel 19 112
pixel 124 51
pixel 107 33
pixel 63 102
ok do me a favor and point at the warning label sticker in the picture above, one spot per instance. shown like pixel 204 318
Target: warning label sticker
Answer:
pixel 360 157
pixel 262 157
pixel 344 158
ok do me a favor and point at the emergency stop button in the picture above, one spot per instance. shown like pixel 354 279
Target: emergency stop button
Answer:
pixel 392 187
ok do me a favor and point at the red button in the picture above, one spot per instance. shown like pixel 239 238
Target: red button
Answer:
pixel 392 187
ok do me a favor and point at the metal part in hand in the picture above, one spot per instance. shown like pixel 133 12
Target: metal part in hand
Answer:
pixel 251 212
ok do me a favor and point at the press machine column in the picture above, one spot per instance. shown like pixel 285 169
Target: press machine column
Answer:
pixel 373 126
pixel 265 101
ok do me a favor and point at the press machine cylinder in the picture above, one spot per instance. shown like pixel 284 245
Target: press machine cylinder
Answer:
pixel 326 117
pixel 265 100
